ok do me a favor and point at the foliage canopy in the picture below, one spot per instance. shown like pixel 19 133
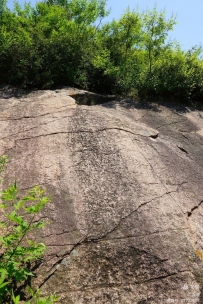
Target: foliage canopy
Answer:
pixel 67 42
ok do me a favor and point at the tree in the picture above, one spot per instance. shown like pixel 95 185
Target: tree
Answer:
pixel 117 52
pixel 2 7
pixel 155 28
pixel 63 42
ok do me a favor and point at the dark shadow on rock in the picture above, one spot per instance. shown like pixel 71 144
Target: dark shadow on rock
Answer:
pixel 107 101
pixel 7 91
pixel 180 108
pixel 90 99
pixel 130 104
pixel 201 297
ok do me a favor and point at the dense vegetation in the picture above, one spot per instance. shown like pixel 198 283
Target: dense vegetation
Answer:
pixel 66 42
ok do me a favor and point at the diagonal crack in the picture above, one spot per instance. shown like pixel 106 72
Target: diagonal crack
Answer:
pixel 144 235
pixel 53 269
pixel 142 116
pixel 97 240
pixel 165 276
pixel 85 238
pixel 182 149
pixel 135 282
pixel 184 136
pixel 158 177
pixel 127 216
pixel 189 213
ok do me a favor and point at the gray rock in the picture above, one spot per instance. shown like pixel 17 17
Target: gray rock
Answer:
pixel 126 218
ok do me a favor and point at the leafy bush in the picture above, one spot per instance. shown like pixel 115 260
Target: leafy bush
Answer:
pixel 63 42
pixel 18 251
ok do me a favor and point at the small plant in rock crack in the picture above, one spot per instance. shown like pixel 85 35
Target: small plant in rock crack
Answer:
pixel 17 250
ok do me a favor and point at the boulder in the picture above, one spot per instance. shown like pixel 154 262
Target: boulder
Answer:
pixel 126 181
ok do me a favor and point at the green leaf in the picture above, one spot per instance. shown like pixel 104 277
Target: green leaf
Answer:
pixel 2 224
pixel 19 204
pixel 16 300
pixel 3 275
pixel 30 290
pixel 10 193
pixel 2 285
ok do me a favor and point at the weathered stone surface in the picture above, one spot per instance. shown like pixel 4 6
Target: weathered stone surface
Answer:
pixel 126 180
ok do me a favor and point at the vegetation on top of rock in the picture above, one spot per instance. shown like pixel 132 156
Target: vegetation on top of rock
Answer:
pixel 64 42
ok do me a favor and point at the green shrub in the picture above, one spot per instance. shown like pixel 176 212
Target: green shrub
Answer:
pixel 18 251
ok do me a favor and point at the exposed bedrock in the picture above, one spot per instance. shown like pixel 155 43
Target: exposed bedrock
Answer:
pixel 126 180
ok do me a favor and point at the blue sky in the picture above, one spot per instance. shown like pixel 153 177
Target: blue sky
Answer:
pixel 188 31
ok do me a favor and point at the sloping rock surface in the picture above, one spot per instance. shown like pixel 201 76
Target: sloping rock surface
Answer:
pixel 126 180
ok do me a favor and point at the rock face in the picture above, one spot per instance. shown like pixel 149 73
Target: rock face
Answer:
pixel 126 180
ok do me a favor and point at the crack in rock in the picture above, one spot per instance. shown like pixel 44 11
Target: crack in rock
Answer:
pixel 144 235
pixel 154 136
pixel 36 127
pixel 189 213
pixel 184 136
pixel 182 149
pixel 85 238
pixel 165 276
pixel 83 131
pixel 128 215
pixel 158 177
pixel 109 285
pixel 32 117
